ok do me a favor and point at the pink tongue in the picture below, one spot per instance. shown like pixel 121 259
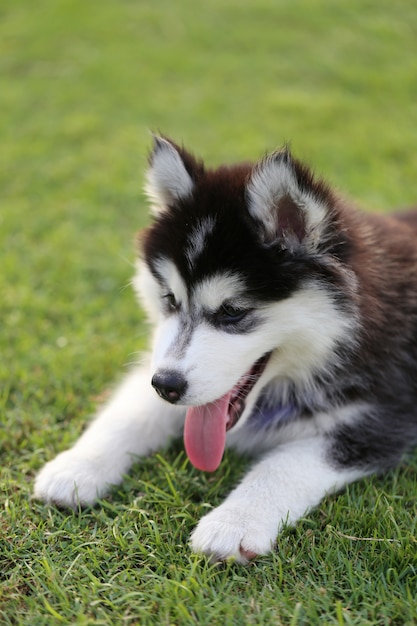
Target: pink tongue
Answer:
pixel 205 433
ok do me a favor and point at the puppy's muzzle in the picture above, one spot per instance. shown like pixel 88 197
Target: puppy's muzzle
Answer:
pixel 170 385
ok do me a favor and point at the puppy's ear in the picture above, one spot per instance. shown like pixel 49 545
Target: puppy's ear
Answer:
pixel 169 175
pixel 288 205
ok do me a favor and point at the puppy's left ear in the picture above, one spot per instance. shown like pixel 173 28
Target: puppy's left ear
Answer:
pixel 289 206
pixel 169 177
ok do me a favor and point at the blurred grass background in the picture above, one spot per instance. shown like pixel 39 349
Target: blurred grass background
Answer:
pixel 81 85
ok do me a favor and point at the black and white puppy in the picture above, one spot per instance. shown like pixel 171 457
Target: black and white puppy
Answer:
pixel 285 326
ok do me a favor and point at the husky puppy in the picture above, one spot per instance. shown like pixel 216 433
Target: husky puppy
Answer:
pixel 286 327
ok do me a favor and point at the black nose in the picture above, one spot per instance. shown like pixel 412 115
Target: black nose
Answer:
pixel 170 385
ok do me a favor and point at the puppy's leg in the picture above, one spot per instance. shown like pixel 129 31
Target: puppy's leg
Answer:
pixel 134 423
pixel 278 489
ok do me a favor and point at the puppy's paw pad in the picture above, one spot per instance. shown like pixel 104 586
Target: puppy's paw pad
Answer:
pixel 247 554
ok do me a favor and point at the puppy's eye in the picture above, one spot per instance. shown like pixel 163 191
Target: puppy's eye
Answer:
pixel 229 314
pixel 170 302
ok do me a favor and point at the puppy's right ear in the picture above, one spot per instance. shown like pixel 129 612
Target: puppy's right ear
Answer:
pixel 168 179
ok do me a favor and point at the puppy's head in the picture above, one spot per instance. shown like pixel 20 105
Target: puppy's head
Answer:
pixel 241 272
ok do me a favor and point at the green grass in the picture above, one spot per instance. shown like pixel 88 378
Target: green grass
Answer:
pixel 80 85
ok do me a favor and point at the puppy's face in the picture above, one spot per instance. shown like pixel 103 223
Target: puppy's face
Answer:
pixel 229 279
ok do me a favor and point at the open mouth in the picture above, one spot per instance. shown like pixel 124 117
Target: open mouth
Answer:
pixel 206 426
pixel 241 391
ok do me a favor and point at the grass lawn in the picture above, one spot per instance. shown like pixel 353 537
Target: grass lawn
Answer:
pixel 80 85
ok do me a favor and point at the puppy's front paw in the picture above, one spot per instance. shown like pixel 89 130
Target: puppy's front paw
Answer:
pixel 234 531
pixel 70 480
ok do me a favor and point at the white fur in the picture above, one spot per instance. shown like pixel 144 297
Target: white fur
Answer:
pixel 167 179
pixel 172 280
pixel 148 291
pixel 303 329
pixel 197 239
pixel 271 180
pixel 279 489
pixel 134 423
pixel 212 292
